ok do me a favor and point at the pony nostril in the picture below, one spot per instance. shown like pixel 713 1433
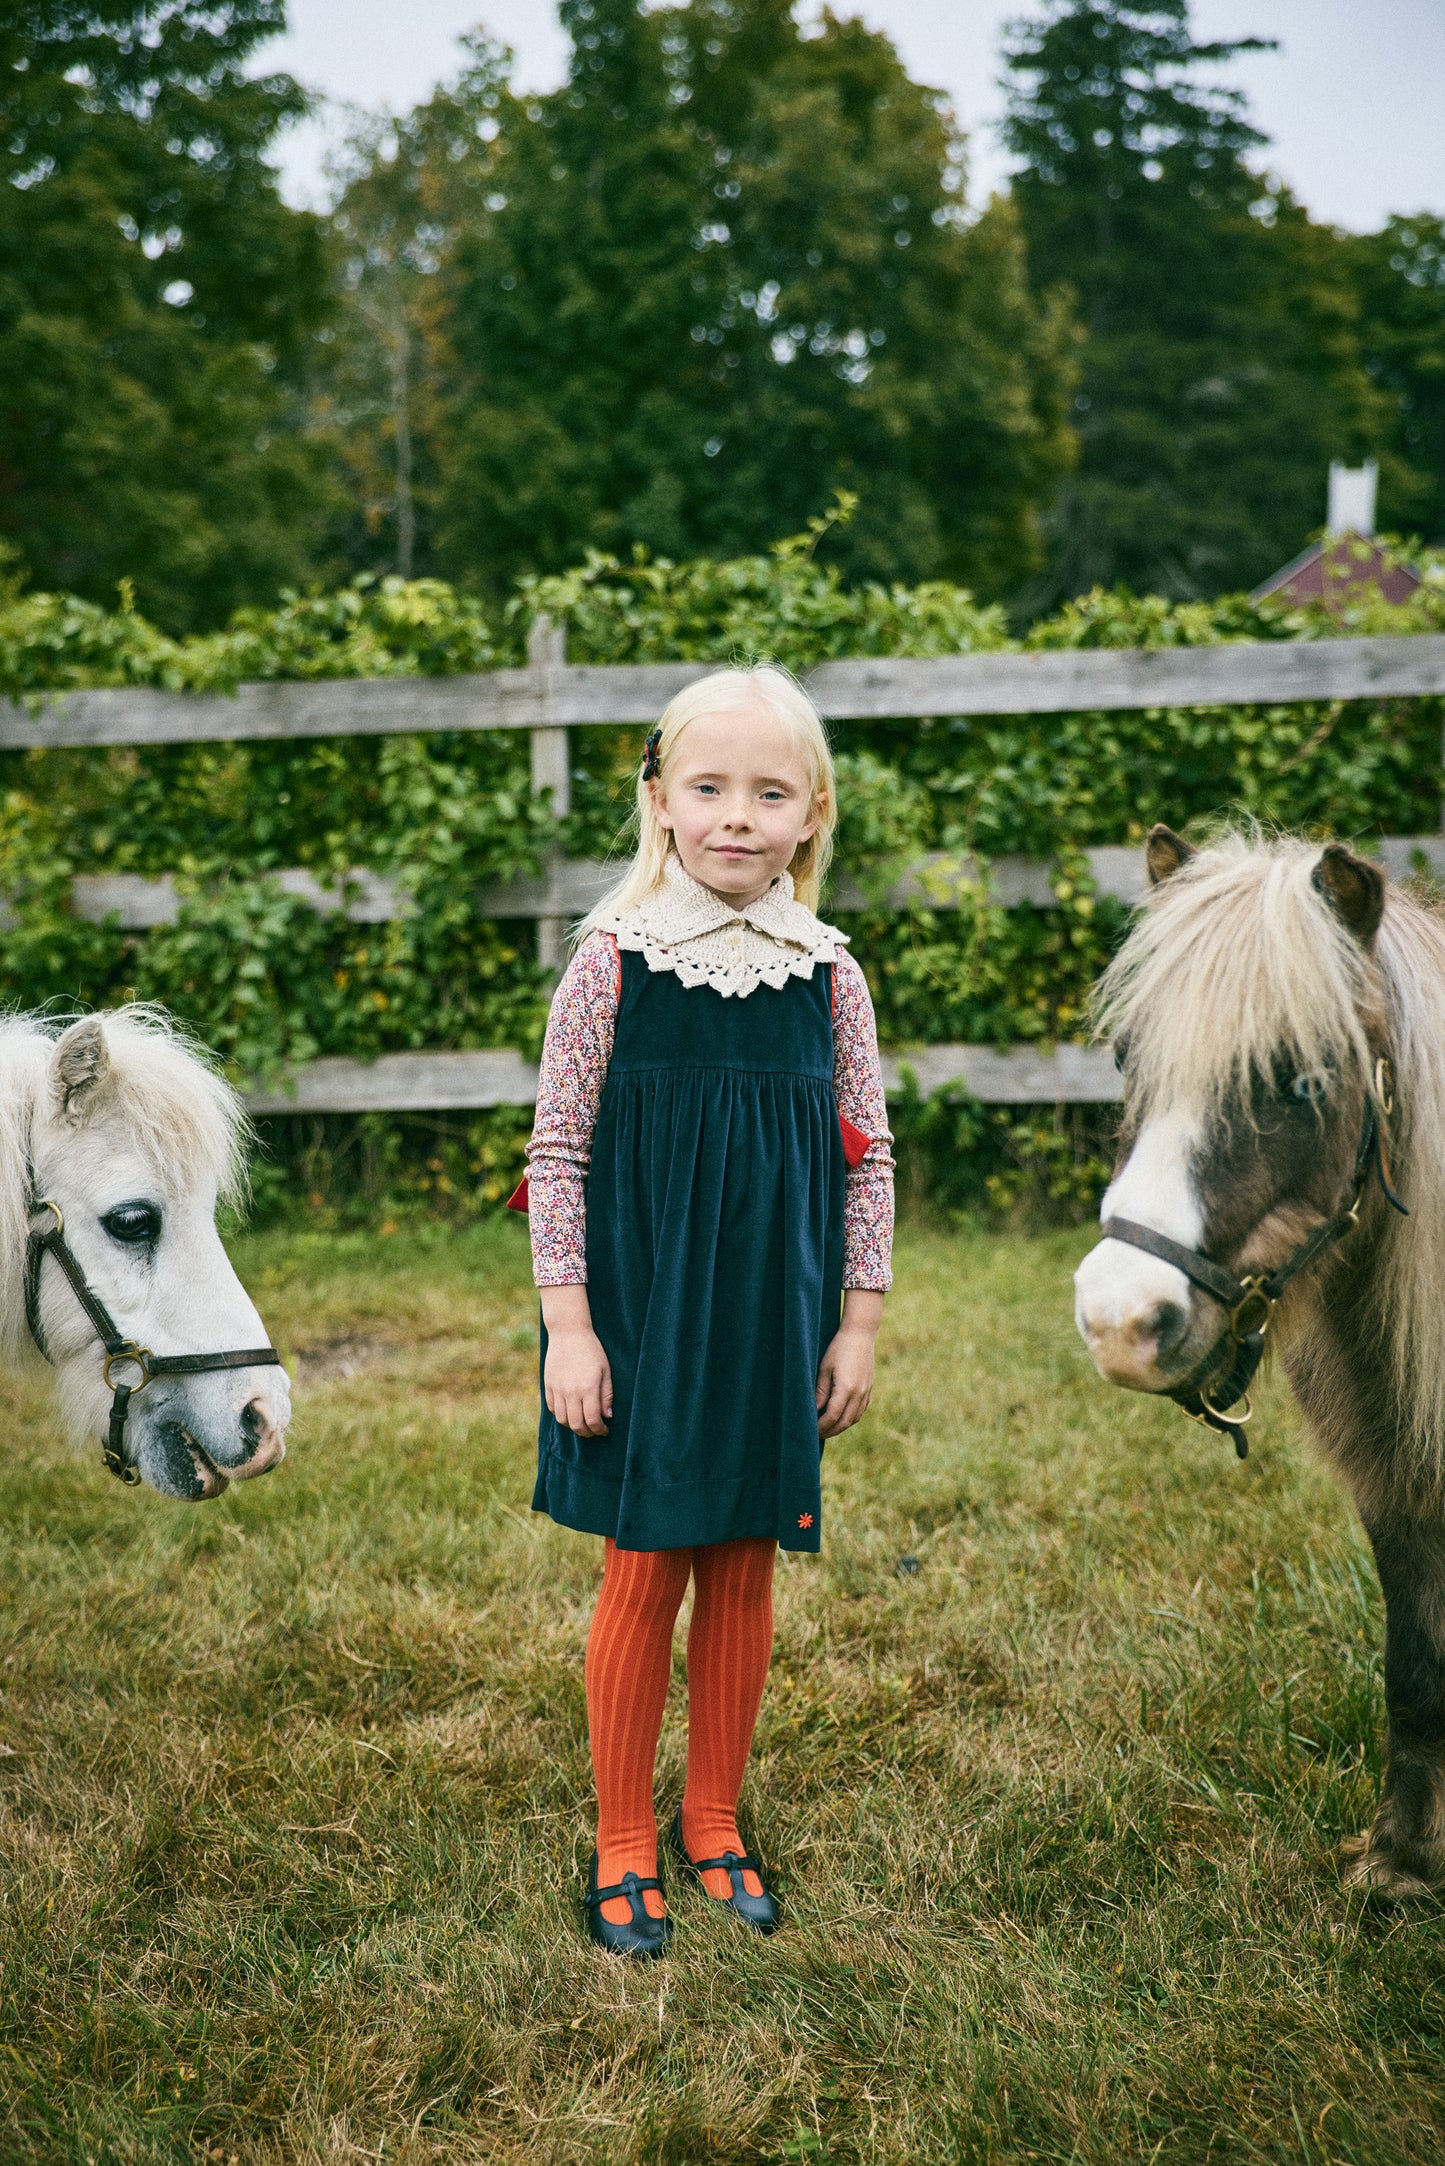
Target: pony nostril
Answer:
pixel 264 1437
pixel 1166 1326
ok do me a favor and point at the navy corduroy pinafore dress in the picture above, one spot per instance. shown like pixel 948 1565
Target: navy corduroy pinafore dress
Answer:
pixel 714 1268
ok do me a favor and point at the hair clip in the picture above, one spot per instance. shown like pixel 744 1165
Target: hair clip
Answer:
pixel 649 753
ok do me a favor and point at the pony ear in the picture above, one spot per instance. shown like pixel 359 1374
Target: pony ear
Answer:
pixel 1164 853
pixel 81 1065
pixel 1353 888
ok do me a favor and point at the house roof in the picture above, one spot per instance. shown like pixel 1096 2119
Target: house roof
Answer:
pixel 1333 570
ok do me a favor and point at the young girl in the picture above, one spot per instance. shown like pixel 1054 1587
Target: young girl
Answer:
pixel 710 1058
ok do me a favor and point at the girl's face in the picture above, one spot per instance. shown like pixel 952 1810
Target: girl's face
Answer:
pixel 737 802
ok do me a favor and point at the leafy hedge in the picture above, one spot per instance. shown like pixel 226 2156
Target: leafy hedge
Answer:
pixel 270 983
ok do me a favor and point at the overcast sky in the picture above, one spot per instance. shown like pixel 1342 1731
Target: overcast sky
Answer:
pixel 1354 100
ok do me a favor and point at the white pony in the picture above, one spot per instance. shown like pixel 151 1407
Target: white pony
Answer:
pixel 116 1136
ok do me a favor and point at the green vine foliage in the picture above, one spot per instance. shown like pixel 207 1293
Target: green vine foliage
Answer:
pixel 1032 1166
pixel 270 983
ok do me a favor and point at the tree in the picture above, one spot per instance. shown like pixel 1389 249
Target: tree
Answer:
pixel 722 273
pixel 158 304
pixel 1400 280
pixel 1222 366
pixel 412 186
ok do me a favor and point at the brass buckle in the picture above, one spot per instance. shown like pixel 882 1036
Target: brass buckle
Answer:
pixel 122 1469
pixel 1252 1313
pixel 142 1358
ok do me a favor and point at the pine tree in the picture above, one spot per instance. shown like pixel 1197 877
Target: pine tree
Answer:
pixel 1400 280
pixel 1222 367
pixel 157 306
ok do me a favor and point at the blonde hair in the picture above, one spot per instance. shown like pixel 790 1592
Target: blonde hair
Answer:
pixel 729 691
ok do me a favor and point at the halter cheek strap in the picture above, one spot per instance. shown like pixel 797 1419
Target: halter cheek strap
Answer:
pixel 1213 1390
pixel 120 1352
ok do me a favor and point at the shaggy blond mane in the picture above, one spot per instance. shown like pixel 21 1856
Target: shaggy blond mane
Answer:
pixel 162 1093
pixel 1410 1296
pixel 1238 959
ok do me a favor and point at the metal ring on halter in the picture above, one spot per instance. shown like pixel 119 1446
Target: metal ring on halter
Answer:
pixel 142 1358
pixel 1253 1312
pixel 44 1203
pixel 1236 1421
pixel 1384 1085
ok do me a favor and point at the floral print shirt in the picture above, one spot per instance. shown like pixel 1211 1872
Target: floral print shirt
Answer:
pixel 578 1049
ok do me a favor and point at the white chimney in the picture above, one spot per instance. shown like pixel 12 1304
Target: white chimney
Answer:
pixel 1352 497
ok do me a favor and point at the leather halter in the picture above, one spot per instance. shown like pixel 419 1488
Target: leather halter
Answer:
pixel 1212 1389
pixel 120 1352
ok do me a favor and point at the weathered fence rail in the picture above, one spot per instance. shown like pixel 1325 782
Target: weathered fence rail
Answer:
pixel 550 697
pixel 553 694
pixel 569 889
pixel 465 1082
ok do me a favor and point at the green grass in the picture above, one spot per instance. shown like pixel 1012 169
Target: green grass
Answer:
pixel 294 1792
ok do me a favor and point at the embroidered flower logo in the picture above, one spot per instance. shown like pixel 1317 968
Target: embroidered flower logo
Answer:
pixel 805 1520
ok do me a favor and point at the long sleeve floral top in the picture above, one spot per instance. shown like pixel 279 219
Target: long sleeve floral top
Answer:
pixel 705 942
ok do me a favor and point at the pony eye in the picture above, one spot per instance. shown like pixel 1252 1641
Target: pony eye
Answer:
pixel 1311 1086
pixel 133 1224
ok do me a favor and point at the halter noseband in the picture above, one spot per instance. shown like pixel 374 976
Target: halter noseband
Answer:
pixel 1206 1395
pixel 120 1352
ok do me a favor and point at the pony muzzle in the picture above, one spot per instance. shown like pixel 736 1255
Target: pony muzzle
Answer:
pixel 1136 1353
pixel 1140 1319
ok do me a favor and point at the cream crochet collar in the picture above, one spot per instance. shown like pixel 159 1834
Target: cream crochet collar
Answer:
pixel 682 926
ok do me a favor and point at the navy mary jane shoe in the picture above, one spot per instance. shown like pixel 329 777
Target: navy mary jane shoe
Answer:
pixel 641 1935
pixel 758 1911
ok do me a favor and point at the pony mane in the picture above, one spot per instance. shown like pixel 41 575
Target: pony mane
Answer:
pixel 1410 950
pixel 1238 958
pixel 177 1111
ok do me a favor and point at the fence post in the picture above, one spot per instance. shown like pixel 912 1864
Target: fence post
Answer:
pixel 551 769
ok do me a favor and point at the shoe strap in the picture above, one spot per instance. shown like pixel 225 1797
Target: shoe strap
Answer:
pixel 730 1862
pixel 626 1890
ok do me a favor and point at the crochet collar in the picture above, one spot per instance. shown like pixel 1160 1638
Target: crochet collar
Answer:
pixel 686 909
pixel 683 927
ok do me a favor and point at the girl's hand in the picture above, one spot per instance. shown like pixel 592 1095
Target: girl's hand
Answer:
pixel 577 1376
pixel 845 1374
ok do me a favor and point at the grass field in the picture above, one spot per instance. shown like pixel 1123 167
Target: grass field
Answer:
pixel 294 1794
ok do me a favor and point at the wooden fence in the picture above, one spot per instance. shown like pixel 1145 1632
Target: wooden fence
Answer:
pixel 550 697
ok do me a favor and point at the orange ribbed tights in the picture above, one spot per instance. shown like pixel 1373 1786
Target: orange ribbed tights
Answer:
pixel 629 1661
